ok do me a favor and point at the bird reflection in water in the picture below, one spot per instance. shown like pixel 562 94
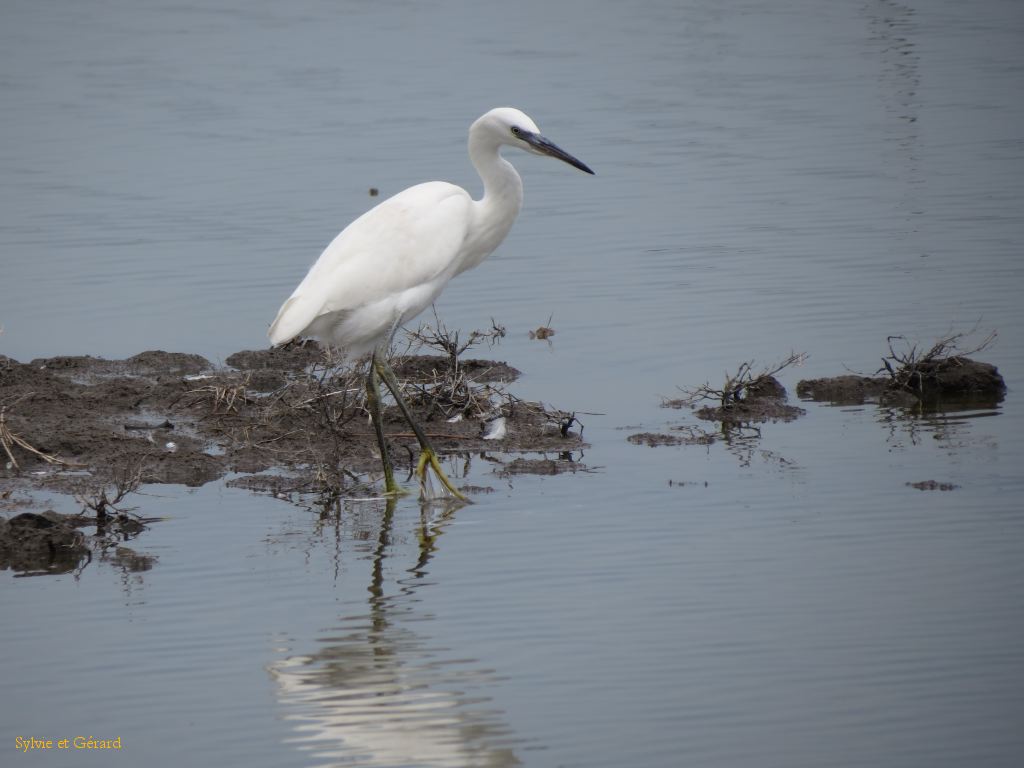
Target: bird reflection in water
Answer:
pixel 377 692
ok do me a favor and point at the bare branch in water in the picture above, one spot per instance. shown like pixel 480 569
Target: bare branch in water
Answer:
pixel 906 365
pixel 739 385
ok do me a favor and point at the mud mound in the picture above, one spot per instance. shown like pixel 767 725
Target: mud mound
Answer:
pixel 764 401
pixel 169 417
pixel 428 367
pixel 152 363
pixel 290 357
pixel 949 381
pixel 41 543
pixel 842 390
pixel 957 377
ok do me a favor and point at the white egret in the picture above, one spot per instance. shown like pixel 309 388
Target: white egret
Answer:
pixel 392 262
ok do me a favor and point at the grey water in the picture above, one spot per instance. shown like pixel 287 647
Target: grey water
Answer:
pixel 771 177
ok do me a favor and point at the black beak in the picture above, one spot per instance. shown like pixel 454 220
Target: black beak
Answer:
pixel 545 147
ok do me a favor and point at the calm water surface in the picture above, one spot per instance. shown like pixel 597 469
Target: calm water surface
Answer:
pixel 771 177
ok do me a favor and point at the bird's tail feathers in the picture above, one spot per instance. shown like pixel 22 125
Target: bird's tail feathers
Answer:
pixel 292 319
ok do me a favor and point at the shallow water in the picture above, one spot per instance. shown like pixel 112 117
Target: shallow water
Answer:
pixel 771 177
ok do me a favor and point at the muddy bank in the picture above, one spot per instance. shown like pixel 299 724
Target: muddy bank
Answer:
pixel 89 426
pixel 41 543
pixel 935 384
pixel 51 543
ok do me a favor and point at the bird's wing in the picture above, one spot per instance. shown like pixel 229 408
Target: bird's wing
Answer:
pixel 406 241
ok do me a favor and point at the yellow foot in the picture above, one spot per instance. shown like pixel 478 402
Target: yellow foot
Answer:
pixel 429 461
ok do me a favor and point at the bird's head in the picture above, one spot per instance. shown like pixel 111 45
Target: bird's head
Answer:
pixel 513 128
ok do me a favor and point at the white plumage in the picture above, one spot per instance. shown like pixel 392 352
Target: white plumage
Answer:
pixel 392 262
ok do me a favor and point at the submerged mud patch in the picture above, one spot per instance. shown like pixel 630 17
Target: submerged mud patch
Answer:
pixel 933 485
pixel 738 419
pixel 654 439
pixel 917 387
pixel 545 466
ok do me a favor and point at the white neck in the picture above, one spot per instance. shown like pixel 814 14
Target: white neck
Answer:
pixel 495 212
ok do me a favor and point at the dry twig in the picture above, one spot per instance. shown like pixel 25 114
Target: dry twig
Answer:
pixel 9 439
pixel 907 365
pixel 126 480
pixel 225 398
pixel 439 337
pixel 739 385
pixel 450 391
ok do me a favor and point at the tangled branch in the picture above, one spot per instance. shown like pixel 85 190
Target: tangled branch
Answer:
pixel 449 390
pixel 740 385
pixel 907 366
pixel 126 481
pixel 440 338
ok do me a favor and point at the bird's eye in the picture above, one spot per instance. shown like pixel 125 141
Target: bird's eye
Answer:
pixel 515 130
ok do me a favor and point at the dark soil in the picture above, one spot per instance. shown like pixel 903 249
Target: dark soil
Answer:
pixel 956 378
pixel 46 543
pixel 50 543
pixel 937 384
pixel 428 367
pixel 843 390
pixel 83 424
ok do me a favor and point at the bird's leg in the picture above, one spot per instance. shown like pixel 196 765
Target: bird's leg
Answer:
pixel 391 488
pixel 428 456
